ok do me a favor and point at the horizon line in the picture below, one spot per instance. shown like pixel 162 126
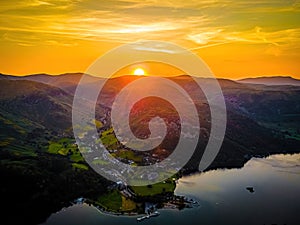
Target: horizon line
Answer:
pixel 217 77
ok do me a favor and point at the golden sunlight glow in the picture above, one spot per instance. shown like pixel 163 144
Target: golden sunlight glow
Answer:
pixel 139 72
pixel 234 44
pixel 149 68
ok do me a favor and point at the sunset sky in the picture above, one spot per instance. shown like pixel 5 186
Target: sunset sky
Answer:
pixel 236 38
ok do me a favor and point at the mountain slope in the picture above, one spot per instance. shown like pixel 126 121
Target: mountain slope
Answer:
pixel 276 80
pixel 40 103
pixel 66 82
pixel 38 152
pixel 36 180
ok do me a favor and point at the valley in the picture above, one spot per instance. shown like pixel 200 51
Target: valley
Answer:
pixel 40 164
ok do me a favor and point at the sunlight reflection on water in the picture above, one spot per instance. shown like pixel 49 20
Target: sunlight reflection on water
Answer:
pixel 222 196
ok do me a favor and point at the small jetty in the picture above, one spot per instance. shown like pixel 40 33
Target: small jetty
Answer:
pixel 156 213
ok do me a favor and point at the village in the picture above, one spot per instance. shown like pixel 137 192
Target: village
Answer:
pixel 138 202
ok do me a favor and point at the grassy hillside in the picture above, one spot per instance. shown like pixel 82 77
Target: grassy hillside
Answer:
pixel 40 164
pixel 41 167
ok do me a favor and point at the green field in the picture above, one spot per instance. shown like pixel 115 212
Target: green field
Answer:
pixel 109 139
pixel 128 204
pixel 128 154
pixel 67 147
pixel 155 189
pixel 111 201
pixel 79 166
pixel 100 162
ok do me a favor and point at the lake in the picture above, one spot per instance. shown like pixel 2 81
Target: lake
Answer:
pixel 222 196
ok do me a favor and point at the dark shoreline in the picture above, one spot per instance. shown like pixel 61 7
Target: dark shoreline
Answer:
pixel 38 209
pixel 161 198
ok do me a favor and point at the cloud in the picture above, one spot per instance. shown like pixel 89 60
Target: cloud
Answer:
pixel 204 37
pixel 153 49
pixel 144 28
pixel 137 4
pixel 277 42
pixel 38 3
pixel 202 24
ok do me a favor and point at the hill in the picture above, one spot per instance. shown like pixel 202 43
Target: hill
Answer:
pixel 66 82
pixel 275 80
pixel 38 151
pixel 40 166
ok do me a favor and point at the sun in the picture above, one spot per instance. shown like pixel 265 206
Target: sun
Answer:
pixel 139 72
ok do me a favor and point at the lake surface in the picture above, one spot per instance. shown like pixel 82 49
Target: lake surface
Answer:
pixel 222 196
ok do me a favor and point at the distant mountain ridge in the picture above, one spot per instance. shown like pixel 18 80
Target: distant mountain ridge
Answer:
pixel 274 80
pixel 68 79
pixel 275 113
